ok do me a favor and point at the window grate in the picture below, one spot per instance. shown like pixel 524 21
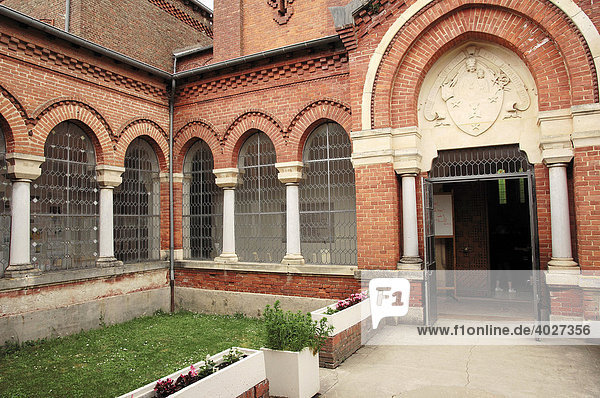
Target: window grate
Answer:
pixel 5 196
pixel 137 206
pixel 328 198
pixel 202 205
pixel 482 161
pixel 259 204
pixel 64 203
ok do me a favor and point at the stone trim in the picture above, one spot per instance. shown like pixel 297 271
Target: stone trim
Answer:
pixel 24 166
pixel 109 176
pixel 289 172
pixel 77 275
pixel 276 268
pixel 227 177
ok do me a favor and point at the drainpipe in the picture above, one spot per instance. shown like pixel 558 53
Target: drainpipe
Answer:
pixel 67 15
pixel 171 226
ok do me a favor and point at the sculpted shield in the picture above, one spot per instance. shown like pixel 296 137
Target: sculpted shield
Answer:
pixel 473 88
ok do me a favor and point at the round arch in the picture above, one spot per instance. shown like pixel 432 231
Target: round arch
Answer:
pixel 586 37
pixel 152 133
pixel 187 137
pixel 244 126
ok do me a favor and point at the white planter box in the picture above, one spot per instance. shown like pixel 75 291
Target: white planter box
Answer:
pixel 232 381
pixel 292 374
pixel 344 319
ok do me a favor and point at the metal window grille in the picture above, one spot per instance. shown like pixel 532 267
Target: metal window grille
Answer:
pixel 64 202
pixel 202 205
pixel 328 198
pixel 5 195
pixel 137 206
pixel 260 203
pixel 480 162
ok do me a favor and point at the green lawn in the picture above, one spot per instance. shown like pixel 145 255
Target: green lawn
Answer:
pixel 113 360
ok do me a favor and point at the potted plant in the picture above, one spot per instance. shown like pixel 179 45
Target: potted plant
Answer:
pixel 229 373
pixel 293 341
pixel 346 317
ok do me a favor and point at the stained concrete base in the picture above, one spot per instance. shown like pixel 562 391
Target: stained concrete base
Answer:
pixel 466 371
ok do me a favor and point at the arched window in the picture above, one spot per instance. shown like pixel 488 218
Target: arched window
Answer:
pixel 64 202
pixel 5 195
pixel 137 206
pixel 259 203
pixel 328 198
pixel 202 205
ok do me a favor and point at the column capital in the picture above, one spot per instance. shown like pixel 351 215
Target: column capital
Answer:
pixel 289 172
pixel 556 149
pixel 109 176
pixel 22 166
pixel 227 178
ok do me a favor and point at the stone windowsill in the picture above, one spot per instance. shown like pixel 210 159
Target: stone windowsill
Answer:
pixel 324 270
pixel 77 275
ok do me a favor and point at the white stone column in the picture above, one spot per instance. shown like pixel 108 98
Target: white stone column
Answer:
pixel 290 173
pixel 410 236
pixel 227 179
pixel 22 169
pixel 109 177
pixel 562 255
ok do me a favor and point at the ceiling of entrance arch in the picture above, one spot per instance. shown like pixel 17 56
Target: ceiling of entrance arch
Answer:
pixel 474 90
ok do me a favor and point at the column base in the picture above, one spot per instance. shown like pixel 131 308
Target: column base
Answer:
pixel 105 262
pixel 227 258
pixel 21 271
pixel 563 265
pixel 293 259
pixel 410 263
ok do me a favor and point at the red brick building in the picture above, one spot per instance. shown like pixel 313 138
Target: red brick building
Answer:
pixel 311 142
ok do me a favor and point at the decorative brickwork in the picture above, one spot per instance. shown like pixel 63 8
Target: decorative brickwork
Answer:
pixel 183 17
pixel 74 66
pixel 186 136
pixel 283 10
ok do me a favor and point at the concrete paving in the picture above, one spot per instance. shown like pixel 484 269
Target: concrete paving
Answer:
pixel 466 371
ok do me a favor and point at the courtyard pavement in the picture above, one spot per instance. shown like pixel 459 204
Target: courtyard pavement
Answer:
pixel 466 371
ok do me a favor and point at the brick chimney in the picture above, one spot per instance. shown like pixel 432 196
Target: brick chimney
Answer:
pixel 227 27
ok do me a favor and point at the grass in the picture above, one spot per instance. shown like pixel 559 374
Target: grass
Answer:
pixel 116 359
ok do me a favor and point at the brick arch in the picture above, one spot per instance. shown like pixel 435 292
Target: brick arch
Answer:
pixel 13 121
pixel 512 21
pixel 152 133
pixel 242 127
pixel 62 110
pixel 311 116
pixel 188 135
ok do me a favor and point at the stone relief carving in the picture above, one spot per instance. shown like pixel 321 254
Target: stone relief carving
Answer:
pixel 473 90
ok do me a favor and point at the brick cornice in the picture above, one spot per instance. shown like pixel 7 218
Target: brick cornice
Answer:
pixel 183 16
pixel 261 75
pixel 26 49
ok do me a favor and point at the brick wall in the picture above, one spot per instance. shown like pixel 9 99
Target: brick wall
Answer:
pixel 586 174
pixel 565 301
pixel 228 29
pixel 377 217
pixel 326 287
pixel 146 30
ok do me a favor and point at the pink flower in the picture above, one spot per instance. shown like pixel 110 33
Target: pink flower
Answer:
pixel 193 371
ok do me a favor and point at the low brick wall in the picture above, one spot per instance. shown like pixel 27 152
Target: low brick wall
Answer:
pixel 261 390
pixel 340 347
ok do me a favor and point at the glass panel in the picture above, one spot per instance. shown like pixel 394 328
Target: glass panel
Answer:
pixel 137 206
pixel 202 206
pixel 64 202
pixel 259 204
pixel 328 198
pixel 5 195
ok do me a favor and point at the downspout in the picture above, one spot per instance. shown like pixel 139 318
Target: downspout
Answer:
pixel 171 226
pixel 67 15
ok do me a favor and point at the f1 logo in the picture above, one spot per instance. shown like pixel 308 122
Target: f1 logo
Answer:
pixel 389 297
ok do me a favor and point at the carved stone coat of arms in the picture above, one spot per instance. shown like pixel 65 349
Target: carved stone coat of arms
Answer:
pixel 473 90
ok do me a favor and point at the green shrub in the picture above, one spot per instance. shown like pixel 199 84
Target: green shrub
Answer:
pixel 289 331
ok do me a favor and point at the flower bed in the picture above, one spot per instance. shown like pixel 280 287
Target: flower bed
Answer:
pixel 222 375
pixel 350 319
